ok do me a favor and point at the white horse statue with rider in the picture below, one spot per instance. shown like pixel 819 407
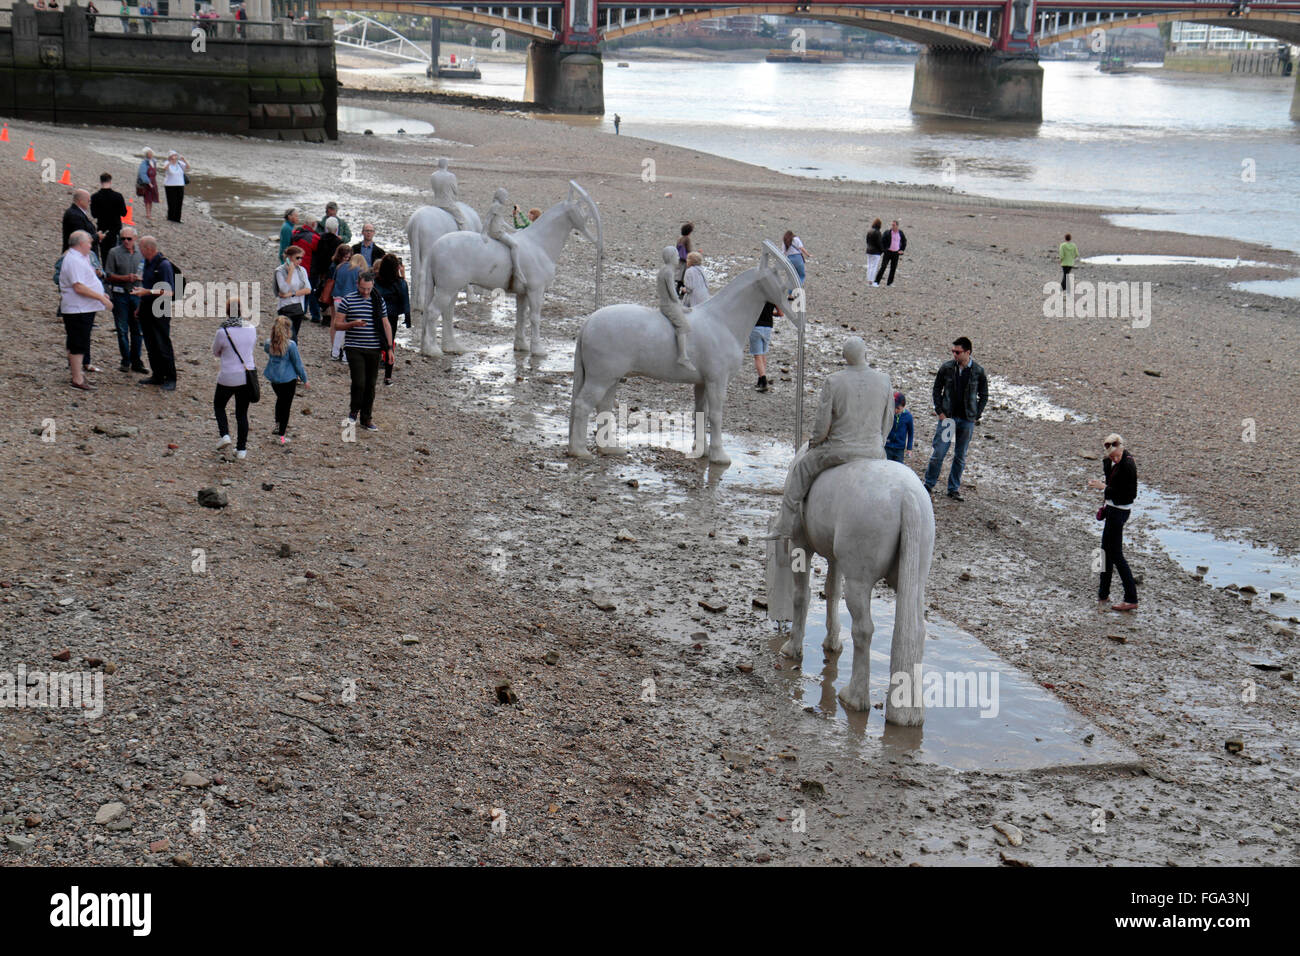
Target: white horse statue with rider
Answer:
pixel 520 263
pixel 630 339
pixel 428 224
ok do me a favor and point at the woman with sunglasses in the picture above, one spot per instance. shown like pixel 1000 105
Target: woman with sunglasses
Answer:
pixel 1121 489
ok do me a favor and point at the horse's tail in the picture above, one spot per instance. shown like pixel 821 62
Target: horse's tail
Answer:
pixel 915 551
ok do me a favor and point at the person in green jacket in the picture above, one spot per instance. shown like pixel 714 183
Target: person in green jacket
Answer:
pixel 345 231
pixel 286 230
pixel 1069 256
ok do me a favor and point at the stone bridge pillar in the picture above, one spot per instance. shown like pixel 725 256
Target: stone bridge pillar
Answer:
pixel 1295 97
pixel 977 84
pixel 569 76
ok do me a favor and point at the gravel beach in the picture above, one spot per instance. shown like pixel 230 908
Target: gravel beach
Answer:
pixel 314 674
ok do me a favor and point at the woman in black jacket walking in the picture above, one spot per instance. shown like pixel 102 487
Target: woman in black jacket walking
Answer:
pixel 1121 489
pixel 875 249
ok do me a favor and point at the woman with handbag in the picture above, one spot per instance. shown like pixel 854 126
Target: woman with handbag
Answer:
pixel 234 344
pixel 176 175
pixel 1121 490
pixel 146 182
pixel 292 288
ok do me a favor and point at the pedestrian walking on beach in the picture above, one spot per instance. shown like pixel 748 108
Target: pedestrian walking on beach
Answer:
pixel 390 282
pixel 306 238
pixel 81 295
pixel 760 339
pixel 361 316
pixel 176 171
pixel 875 251
pixel 124 269
pixel 961 390
pixel 146 175
pixel 794 250
pixel 899 441
pixel 684 248
pixel 156 292
pixel 694 282
pixel 895 244
pixel 618 120
pixel 1120 486
pixel 284 370
pixel 367 248
pixel 1069 254
pixel 292 288
pixel 233 345
pixel 108 206
pixel 344 282
pixel 286 229
pixel 77 217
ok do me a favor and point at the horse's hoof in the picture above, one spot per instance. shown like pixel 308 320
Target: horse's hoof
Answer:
pixel 719 458
pixel 859 700
pixel 453 348
pixel 832 644
pixel 612 450
pixel 792 650
pixel 573 452
pixel 905 716
pixel 431 351
pixel 538 350
pixel 521 345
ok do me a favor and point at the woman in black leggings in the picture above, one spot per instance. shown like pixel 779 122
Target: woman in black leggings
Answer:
pixel 284 371
pixel 1121 490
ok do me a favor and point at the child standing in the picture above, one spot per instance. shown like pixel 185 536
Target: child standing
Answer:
pixel 900 436
pixel 284 371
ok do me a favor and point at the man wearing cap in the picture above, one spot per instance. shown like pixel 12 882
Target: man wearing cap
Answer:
pixel 344 230
pixel 853 421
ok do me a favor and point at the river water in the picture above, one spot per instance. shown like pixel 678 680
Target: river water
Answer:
pixel 1213 155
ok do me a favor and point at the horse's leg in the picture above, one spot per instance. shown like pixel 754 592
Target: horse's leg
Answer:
pixel 857 594
pixel 908 577
pixel 832 644
pixel 446 304
pixel 701 408
pixel 521 320
pixel 584 402
pixel 717 399
pixel 605 406
pixel 794 646
pixel 536 345
pixel 428 322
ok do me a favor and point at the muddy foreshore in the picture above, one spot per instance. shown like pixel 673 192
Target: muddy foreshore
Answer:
pixel 457 547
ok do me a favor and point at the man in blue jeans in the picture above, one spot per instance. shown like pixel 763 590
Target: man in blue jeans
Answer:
pixel 961 390
pixel 124 269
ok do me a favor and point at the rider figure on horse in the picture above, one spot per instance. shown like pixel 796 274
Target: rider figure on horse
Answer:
pixel 855 418
pixel 445 194
pixel 498 226
pixel 671 306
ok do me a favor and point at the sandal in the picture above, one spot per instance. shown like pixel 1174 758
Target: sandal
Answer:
pixel 84 386
pixel 92 368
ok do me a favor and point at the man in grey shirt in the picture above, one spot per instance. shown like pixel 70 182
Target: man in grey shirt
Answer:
pixel 122 271
pixel 855 418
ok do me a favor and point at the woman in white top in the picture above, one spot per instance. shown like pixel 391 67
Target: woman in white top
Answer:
pixel 794 251
pixel 292 286
pixel 174 168
pixel 234 344
pixel 696 286
pixel 81 295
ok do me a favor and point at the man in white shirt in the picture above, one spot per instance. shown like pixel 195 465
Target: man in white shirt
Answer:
pixel 81 295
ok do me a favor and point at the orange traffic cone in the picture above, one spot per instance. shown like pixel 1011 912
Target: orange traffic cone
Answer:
pixel 66 178
pixel 4 134
pixel 129 218
pixel 31 153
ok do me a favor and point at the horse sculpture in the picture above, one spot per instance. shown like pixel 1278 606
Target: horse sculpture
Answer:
pixel 426 226
pixel 629 339
pixel 870 519
pixel 460 259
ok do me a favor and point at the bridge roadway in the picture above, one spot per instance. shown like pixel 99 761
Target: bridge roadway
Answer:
pixel 980 58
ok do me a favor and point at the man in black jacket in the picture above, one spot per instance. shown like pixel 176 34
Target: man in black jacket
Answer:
pixel 108 206
pixel 961 390
pixel 77 217
pixel 895 243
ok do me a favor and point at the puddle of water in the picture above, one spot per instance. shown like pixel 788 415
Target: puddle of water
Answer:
pixel 1030 402
pixel 1157 260
pixel 355 119
pixel 1281 288
pixel 1031 728
pixel 1231 561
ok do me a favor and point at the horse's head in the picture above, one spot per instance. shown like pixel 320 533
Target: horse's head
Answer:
pixel 584 217
pixel 775 275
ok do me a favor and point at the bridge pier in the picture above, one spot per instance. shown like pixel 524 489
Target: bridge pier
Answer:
pixel 435 42
pixel 1295 98
pixel 565 78
pixel 978 85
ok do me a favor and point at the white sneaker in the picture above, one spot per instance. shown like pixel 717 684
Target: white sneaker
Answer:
pixel 225 440
pixel 241 455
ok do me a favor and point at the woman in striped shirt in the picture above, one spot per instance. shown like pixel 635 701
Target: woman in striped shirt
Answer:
pixel 363 319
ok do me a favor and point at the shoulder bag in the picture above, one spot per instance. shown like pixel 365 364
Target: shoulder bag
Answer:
pixel 250 374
